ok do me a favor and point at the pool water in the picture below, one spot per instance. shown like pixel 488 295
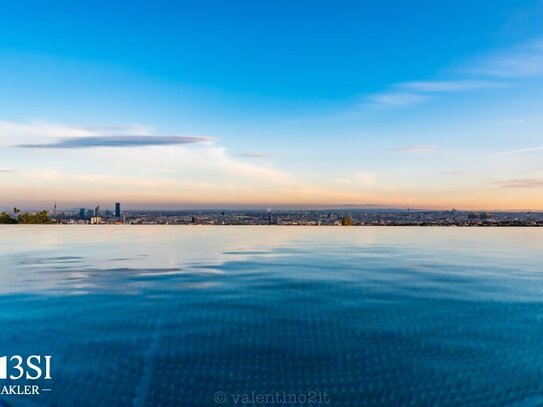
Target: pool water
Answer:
pixel 224 316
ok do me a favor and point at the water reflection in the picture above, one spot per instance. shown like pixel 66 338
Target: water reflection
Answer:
pixel 163 316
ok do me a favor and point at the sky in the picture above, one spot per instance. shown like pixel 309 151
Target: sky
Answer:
pixel 257 104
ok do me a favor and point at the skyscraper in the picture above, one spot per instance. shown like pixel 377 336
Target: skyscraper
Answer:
pixel 117 209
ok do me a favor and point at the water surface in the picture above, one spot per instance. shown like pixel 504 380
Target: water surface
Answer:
pixel 160 316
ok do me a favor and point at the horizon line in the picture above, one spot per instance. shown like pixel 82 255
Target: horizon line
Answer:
pixel 277 208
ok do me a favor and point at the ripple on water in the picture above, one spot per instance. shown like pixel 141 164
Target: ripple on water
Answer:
pixel 407 319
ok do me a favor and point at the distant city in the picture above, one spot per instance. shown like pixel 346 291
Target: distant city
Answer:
pixel 300 217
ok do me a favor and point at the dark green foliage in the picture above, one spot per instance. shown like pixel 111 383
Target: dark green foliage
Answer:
pixel 35 218
pixel 6 219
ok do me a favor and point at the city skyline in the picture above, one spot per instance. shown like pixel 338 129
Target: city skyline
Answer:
pixel 168 106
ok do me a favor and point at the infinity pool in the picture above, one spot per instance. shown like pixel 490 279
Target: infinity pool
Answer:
pixel 224 316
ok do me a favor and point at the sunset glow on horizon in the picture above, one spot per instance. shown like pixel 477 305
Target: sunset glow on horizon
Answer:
pixel 276 105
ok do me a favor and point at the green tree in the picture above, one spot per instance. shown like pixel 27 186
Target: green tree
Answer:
pixel 40 217
pixel 6 219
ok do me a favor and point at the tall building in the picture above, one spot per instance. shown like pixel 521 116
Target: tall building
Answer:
pixel 117 209
pixel 81 213
pixel 97 211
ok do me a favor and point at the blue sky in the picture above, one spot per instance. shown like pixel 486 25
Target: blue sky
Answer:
pixel 284 103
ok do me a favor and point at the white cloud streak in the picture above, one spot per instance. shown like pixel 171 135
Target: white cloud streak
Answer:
pixel 510 152
pixel 449 86
pixel 518 62
pixel 418 148
pixel 522 61
pixel 413 92
pixel 396 99
pixel 201 173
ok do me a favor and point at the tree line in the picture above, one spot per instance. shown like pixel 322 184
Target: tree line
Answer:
pixel 40 217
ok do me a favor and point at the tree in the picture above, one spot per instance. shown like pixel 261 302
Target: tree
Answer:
pixel 6 219
pixel 346 221
pixel 40 217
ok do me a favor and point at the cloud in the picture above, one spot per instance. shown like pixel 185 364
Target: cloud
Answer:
pixel 119 141
pixel 396 99
pixel 517 62
pixel 173 157
pixel 519 151
pixel 412 92
pixel 418 148
pixel 521 61
pixel 409 93
pixel 39 134
pixel 140 182
pixel 506 123
pixel 254 155
pixel 448 86
pixel 114 128
pixel 36 132
pixel 521 183
pixel 4 170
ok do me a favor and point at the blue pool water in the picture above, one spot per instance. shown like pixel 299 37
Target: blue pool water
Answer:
pixel 204 316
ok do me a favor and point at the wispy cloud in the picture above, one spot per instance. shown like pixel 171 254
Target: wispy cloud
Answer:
pixel 517 62
pixel 254 155
pixel 510 152
pixel 521 61
pixel 409 93
pixel 395 99
pixel 4 170
pixel 418 148
pixel 210 169
pixel 119 141
pixel 448 86
pixel 507 123
pixel 113 128
pixel 521 183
